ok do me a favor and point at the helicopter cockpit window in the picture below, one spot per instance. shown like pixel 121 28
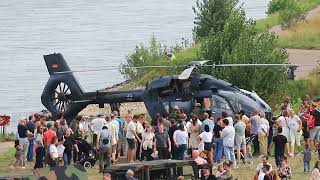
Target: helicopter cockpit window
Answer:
pixel 219 102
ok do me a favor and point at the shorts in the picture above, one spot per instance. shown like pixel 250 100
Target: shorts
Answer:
pixel 131 143
pixel 314 133
pixel 208 146
pixel 305 134
pixel 240 142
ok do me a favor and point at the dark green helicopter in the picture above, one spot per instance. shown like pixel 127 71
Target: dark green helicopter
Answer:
pixel 63 93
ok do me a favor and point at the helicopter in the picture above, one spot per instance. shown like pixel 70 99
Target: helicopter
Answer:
pixel 63 93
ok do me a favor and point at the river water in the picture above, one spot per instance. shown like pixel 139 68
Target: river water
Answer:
pixel 89 34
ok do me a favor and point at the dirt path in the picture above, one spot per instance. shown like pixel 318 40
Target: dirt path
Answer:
pixel 302 56
pixel 4 146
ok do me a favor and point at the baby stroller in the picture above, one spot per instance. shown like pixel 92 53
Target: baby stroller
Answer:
pixel 86 155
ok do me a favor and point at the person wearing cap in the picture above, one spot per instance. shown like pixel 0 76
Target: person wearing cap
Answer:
pixel 96 127
pixel 104 147
pixel 176 113
pixel 197 111
pixel 130 175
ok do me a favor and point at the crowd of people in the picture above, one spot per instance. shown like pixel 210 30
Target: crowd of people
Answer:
pixel 222 143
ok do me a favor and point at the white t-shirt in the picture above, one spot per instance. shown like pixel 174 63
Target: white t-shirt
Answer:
pixel 131 129
pixel 283 121
pixel 147 140
pixel 139 127
pixel 206 137
pixel 227 136
pixel 294 123
pixel 315 174
pixel 189 123
pixel 181 137
pixel 261 173
pixel 263 126
pixel 53 151
pixel 97 125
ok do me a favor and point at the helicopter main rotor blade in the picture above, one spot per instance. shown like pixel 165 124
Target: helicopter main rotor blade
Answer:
pixel 115 68
pixel 242 65
pixel 191 64
pixel 186 73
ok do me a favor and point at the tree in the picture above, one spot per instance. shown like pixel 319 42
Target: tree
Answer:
pixel 239 42
pixel 210 16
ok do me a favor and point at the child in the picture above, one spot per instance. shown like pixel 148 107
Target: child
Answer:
pixel 220 171
pixel 249 156
pixel 306 158
pixel 18 155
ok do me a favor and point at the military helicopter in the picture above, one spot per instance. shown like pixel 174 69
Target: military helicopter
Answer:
pixel 63 93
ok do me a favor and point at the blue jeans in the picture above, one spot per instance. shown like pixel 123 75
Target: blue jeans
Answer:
pixel 229 153
pixel 278 158
pixel 218 150
pixel 180 151
pixel 67 158
pixel 30 150
pixel 306 166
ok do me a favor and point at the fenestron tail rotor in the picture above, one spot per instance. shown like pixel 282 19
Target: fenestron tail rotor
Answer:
pixel 62 97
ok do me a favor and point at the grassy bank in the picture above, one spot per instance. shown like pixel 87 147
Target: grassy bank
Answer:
pixel 274 19
pixel 7 138
pixel 304 35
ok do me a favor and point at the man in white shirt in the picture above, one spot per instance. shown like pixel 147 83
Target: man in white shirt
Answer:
pixel 96 127
pixel 227 135
pixel 207 121
pixel 260 174
pixel 131 136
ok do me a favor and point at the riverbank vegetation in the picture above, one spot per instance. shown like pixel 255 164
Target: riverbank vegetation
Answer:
pixel 223 35
pixel 9 137
pixel 304 35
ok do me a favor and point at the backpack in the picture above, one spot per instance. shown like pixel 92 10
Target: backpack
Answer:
pixel 310 120
pixel 105 140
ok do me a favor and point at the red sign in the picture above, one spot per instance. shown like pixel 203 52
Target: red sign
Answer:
pixel 4 120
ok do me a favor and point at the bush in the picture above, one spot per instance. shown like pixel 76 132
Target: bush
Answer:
pixel 154 54
pixel 291 14
pixel 276 5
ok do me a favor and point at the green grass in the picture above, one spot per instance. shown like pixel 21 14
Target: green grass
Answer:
pixel 7 138
pixel 267 23
pixel 273 19
pixel 305 35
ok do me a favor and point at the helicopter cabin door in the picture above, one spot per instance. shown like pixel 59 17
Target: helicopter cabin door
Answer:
pixel 219 105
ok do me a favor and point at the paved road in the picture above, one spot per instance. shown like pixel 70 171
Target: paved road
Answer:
pixel 302 56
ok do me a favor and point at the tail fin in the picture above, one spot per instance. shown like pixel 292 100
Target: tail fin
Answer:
pixel 56 63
